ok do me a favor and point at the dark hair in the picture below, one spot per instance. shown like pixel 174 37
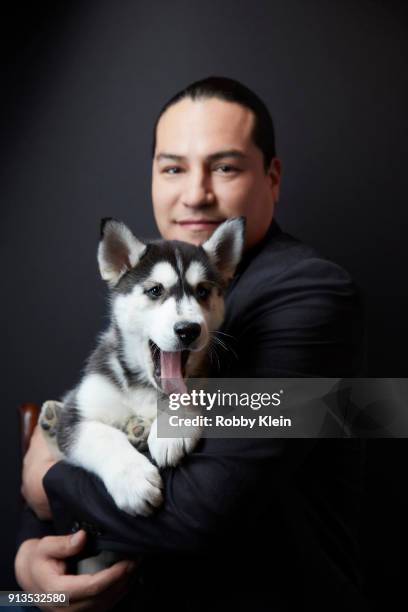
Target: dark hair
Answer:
pixel 263 133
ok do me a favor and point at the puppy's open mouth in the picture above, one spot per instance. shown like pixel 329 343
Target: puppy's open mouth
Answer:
pixel 169 368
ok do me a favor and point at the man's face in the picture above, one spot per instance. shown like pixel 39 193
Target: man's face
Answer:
pixel 206 169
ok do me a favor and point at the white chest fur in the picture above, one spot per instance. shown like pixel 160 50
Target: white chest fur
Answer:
pixel 100 400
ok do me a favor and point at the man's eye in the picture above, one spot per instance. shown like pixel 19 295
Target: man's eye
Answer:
pixel 202 292
pixel 155 292
pixel 226 169
pixel 172 170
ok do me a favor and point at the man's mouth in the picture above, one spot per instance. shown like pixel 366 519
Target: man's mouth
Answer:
pixel 200 224
pixel 169 368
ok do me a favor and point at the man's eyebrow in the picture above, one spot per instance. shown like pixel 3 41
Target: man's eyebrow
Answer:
pixel 228 153
pixel 213 157
pixel 172 156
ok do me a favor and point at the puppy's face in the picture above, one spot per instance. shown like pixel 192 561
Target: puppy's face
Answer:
pixel 167 308
pixel 170 301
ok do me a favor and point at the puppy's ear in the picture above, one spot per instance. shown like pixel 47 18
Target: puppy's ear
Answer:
pixel 118 250
pixel 225 246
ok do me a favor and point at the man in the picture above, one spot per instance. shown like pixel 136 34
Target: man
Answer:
pixel 261 523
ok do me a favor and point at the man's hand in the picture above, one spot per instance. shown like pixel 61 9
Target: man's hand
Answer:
pixel 37 461
pixel 40 567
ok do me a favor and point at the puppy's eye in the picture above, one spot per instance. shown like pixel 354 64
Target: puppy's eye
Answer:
pixel 155 292
pixel 202 292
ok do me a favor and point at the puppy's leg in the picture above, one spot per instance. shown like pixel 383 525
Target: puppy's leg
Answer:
pixel 130 478
pixel 137 431
pixel 49 417
pixel 48 420
pixel 169 451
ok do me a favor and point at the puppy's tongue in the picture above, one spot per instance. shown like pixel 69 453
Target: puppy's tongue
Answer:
pixel 170 372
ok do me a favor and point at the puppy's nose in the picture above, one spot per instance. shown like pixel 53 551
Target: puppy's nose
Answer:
pixel 187 332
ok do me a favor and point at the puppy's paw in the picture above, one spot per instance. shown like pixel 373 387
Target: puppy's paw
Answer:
pixel 137 430
pixel 170 451
pixel 49 416
pixel 135 485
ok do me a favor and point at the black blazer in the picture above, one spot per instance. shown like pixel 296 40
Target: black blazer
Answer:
pixel 268 524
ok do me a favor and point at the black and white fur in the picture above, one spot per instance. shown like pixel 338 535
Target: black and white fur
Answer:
pixel 100 423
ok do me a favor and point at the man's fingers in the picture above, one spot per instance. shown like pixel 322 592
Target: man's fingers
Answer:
pixel 36 432
pixel 37 439
pixel 90 585
pixel 84 585
pixel 61 547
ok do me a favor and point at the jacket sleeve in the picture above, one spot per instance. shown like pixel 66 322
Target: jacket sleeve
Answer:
pixel 203 497
pixel 306 330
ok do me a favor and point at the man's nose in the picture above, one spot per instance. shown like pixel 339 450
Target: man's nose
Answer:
pixel 198 193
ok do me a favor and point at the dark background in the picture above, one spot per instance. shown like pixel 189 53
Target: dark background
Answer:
pixel 81 85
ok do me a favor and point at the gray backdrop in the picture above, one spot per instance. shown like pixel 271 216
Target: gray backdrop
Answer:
pixel 82 83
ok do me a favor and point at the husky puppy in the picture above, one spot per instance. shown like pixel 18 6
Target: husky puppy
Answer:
pixel 166 303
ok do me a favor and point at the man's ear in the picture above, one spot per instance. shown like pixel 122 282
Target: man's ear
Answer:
pixel 118 250
pixel 275 172
pixel 225 246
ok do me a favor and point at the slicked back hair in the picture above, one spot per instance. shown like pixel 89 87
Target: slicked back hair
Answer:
pixel 230 90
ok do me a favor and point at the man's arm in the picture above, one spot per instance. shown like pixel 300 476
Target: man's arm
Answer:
pixel 42 559
pixel 311 330
pixel 32 527
pixel 36 462
pixel 204 496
